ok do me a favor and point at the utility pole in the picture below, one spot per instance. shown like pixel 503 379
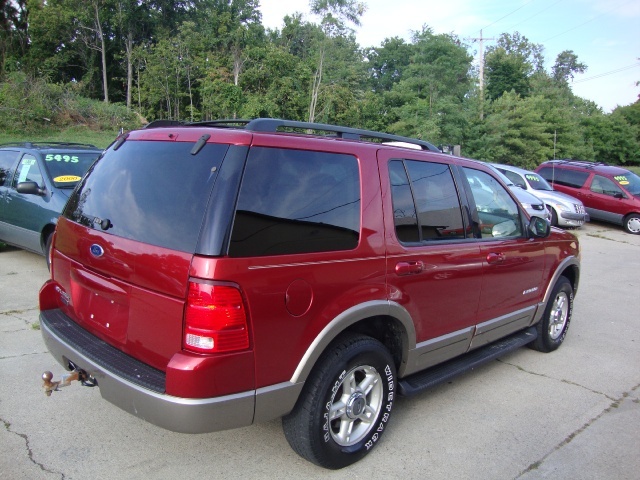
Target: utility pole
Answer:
pixel 481 41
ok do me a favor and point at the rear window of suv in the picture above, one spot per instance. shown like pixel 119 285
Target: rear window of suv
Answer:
pixel 151 192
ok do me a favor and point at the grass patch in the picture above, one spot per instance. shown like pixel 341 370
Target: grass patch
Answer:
pixel 101 139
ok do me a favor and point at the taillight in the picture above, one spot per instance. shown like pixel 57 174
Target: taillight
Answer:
pixel 215 319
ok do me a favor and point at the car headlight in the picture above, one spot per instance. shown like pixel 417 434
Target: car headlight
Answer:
pixel 561 207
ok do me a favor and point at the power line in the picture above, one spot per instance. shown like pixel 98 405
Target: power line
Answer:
pixel 611 72
pixel 534 15
pixel 588 21
pixel 511 13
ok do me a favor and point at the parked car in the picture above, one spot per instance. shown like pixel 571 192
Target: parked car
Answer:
pixel 36 180
pixel 213 275
pixel 565 210
pixel 531 203
pixel 609 193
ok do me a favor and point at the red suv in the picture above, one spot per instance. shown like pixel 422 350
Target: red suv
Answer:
pixel 213 275
pixel 610 194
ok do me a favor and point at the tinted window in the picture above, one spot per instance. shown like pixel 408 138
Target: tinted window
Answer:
pixel 568 178
pixel 152 192
pixel 603 185
pixel 7 159
pixel 425 202
pixel 497 211
pixel 66 169
pixel 514 177
pixel 294 201
pixel 28 171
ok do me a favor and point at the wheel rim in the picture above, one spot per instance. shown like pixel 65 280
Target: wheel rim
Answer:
pixel 558 315
pixel 356 405
pixel 633 224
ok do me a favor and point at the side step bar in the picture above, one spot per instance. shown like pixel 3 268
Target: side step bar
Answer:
pixel 444 372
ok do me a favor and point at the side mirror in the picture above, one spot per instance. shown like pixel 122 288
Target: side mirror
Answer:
pixel 619 195
pixel 539 227
pixel 30 188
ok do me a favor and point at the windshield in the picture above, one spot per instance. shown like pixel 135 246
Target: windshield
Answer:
pixel 537 182
pixel 66 169
pixel 630 182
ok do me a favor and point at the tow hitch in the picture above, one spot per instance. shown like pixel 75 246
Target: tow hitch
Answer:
pixel 77 374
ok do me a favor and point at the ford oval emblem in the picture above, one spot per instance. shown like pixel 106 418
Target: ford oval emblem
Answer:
pixel 96 250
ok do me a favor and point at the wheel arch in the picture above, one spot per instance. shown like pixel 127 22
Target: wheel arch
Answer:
pixel 46 232
pixel 568 268
pixel 387 322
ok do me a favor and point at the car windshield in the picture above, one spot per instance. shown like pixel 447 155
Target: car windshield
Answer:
pixel 537 182
pixel 630 182
pixel 66 169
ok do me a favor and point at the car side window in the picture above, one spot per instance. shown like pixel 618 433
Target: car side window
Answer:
pixel 425 202
pixel 603 185
pixel 7 159
pixel 296 201
pixel 28 171
pixel 498 213
pixel 515 178
pixel 566 177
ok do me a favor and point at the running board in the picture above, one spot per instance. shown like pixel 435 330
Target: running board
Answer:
pixel 444 372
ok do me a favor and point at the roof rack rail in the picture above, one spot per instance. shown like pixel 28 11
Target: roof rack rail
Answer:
pixel 273 125
pixel 583 163
pixel 47 144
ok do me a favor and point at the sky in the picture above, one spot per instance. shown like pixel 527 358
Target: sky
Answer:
pixel 604 34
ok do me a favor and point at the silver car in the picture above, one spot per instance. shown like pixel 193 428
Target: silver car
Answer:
pixel 565 210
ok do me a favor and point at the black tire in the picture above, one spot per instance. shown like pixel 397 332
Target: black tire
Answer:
pixel 333 397
pixel 554 217
pixel 632 224
pixel 47 250
pixel 552 329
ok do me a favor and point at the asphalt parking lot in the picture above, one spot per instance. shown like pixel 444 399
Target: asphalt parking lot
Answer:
pixel 571 414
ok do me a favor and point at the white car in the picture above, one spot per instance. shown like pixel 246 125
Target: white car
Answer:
pixel 565 210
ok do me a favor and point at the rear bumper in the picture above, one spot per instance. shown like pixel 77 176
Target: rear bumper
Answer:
pixel 142 392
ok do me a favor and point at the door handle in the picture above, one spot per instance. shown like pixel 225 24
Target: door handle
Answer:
pixel 409 268
pixel 495 258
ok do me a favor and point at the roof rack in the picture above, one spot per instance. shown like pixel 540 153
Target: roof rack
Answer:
pixel 47 144
pixel 273 125
pixel 582 163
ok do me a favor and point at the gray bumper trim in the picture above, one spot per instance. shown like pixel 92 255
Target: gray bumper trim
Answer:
pixel 185 415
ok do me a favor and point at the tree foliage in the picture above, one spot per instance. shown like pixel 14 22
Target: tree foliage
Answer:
pixel 204 59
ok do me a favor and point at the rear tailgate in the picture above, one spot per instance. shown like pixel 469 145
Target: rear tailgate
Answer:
pixel 132 296
pixel 127 236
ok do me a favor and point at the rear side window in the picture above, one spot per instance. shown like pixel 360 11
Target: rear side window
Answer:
pixel 426 206
pixel 296 201
pixel 151 192
pixel 561 176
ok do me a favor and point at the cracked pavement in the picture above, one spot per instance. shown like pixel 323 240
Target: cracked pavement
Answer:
pixel 571 414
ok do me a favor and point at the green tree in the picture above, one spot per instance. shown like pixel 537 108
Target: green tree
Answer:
pixel 567 66
pixel 336 15
pixel 510 63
